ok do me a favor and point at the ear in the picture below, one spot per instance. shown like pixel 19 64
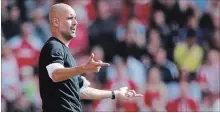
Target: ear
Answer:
pixel 56 22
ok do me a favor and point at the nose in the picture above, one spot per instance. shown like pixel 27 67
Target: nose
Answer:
pixel 75 22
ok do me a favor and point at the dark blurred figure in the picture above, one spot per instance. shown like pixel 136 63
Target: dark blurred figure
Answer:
pixel 215 40
pixel 192 23
pixel 184 103
pixel 134 42
pixel 171 9
pixel 168 69
pixel 159 22
pixel 101 76
pixel 11 27
pixel 213 9
pixel 23 9
pixel 206 25
pixel 168 34
pixel 102 31
pixel 153 42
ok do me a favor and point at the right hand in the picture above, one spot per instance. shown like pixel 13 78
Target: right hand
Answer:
pixel 93 66
pixel 124 93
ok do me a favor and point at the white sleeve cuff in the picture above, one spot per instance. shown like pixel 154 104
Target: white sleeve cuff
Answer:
pixel 52 67
pixel 86 83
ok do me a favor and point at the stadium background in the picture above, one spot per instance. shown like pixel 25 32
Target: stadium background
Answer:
pixel 167 50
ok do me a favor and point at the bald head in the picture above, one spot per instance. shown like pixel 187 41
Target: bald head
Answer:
pixel 58 10
pixel 63 22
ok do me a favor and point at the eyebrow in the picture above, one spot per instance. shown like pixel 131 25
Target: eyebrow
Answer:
pixel 72 15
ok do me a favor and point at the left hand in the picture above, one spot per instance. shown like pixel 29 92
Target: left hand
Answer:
pixel 124 93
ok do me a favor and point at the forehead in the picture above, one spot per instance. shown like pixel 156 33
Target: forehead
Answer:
pixel 69 12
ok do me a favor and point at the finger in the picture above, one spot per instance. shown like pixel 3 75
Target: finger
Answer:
pixel 91 57
pixel 132 93
pixel 98 69
pixel 138 95
pixel 102 64
pixel 100 61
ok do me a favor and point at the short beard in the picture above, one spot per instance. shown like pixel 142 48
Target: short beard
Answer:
pixel 66 36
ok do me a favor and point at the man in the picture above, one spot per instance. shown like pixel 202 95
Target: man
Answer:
pixel 61 85
pixel 189 54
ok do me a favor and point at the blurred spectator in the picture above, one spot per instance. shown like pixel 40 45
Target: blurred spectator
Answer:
pixel 183 103
pixel 126 12
pixel 188 55
pixel 101 35
pixel 25 46
pixel 192 24
pixel 133 14
pixel 133 42
pixel 215 40
pixel 30 87
pixel 22 104
pixel 83 7
pixel 11 85
pixel 206 29
pixel 155 93
pixel 41 27
pixel 209 73
pixel 121 79
pixel 172 12
pixel 167 68
pixel 4 10
pixel 142 10
pixel 159 22
pixel 136 71
pixel 213 7
pixel 167 33
pixel 31 5
pixel 101 76
pixel 153 42
pixel 12 22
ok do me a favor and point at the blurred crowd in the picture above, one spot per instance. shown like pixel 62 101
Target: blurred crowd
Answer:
pixel 167 50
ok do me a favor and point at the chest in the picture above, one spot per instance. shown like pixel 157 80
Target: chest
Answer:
pixel 69 60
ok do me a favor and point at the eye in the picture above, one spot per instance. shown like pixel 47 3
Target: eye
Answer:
pixel 70 18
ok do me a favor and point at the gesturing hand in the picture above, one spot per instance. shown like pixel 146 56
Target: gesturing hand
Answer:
pixel 124 93
pixel 93 66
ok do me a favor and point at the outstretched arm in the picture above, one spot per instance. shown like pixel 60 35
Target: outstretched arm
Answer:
pixel 60 73
pixel 96 94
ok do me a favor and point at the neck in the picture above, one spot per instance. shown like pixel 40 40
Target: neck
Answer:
pixel 61 38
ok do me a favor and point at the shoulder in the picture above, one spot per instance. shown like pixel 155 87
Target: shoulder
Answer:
pixel 53 44
pixel 53 47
